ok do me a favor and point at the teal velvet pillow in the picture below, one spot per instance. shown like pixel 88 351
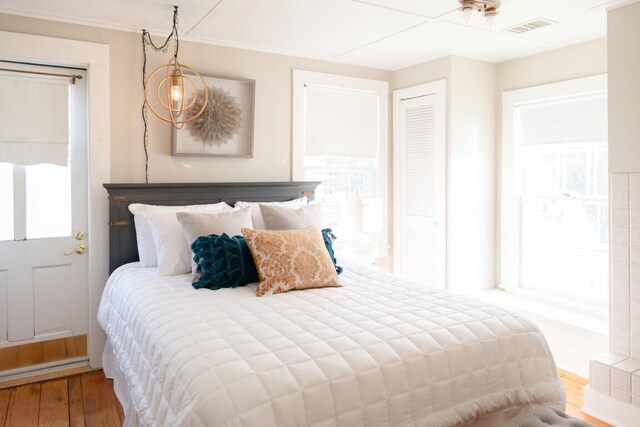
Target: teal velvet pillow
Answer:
pixel 226 262
pixel 329 237
pixel 223 262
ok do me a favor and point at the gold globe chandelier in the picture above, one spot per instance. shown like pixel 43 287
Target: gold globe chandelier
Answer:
pixel 175 85
pixel 489 8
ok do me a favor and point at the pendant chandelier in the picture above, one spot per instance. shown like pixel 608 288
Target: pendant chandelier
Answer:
pixel 488 8
pixel 175 85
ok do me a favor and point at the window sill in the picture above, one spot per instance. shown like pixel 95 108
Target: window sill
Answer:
pixel 574 336
pixel 579 315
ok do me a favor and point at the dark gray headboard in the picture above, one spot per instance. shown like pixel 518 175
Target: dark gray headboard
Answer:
pixel 122 232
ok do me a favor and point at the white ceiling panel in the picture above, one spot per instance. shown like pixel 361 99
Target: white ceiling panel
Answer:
pixel 430 8
pixel 388 34
pixel 154 15
pixel 301 27
pixel 436 39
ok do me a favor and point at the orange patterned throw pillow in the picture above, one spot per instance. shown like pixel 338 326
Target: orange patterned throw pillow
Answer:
pixel 290 259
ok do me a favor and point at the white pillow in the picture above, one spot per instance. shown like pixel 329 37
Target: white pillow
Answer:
pixel 256 216
pixel 289 218
pixel 196 224
pixel 141 213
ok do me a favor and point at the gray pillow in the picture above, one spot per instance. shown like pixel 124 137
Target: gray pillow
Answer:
pixel 198 224
pixel 256 216
pixel 288 218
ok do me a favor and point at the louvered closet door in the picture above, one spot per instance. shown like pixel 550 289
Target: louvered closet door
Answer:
pixel 420 249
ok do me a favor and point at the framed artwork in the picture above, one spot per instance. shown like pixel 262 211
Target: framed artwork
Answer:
pixel 225 128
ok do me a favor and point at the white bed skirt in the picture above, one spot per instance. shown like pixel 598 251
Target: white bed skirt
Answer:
pixel 120 386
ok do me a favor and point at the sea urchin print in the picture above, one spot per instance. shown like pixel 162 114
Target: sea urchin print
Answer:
pixel 219 121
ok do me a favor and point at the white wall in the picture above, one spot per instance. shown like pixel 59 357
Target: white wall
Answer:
pixel 473 137
pixel 471 107
pixel 615 393
pixel 474 90
pixel 273 75
pixel 472 155
pixel 624 89
pixel 437 69
pixel 581 60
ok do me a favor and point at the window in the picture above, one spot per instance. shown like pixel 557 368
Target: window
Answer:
pixel 340 138
pixel 48 190
pixel 6 207
pixel 555 197
pixel 35 176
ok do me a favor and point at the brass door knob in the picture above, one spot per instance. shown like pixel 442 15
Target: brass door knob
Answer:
pixel 77 249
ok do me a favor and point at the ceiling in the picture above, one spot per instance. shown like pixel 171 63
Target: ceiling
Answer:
pixel 386 34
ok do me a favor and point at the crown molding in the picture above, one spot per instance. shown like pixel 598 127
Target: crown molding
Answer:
pixel 621 4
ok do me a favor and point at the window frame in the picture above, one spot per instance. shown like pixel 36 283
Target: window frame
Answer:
pixel 302 78
pixel 509 184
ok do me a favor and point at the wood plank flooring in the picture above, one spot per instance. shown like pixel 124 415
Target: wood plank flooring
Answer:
pixel 19 356
pixel 88 400
pixel 574 385
pixel 80 401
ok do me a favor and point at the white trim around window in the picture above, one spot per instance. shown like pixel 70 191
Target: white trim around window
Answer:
pixel 510 232
pixel 303 78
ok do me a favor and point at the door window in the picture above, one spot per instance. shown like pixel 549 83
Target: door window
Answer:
pixel 6 207
pixel 48 201
pixel 35 176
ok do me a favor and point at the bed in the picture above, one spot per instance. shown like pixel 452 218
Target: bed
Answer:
pixel 378 351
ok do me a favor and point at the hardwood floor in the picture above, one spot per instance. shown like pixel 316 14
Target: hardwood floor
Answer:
pixel 88 400
pixel 82 400
pixel 19 356
pixel 573 385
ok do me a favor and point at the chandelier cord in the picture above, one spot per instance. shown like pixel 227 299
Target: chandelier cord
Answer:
pixel 146 41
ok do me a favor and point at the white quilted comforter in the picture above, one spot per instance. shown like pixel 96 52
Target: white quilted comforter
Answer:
pixel 377 352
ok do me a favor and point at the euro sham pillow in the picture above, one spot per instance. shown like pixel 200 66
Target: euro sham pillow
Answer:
pixel 226 262
pixel 256 216
pixel 290 259
pixel 196 224
pixel 292 218
pixel 141 213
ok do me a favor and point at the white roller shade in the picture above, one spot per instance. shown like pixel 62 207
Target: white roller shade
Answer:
pixel 341 122
pixel 34 120
pixel 581 118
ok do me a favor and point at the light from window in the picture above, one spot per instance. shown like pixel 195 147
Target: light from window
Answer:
pixel 341 146
pixel 564 200
pixel 48 201
pixel 6 204
pixel 342 178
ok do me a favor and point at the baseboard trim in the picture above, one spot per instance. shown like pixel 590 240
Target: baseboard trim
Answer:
pixel 47 373
pixel 609 410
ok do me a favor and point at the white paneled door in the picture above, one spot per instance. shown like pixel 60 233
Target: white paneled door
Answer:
pixel 420 184
pixel 43 207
